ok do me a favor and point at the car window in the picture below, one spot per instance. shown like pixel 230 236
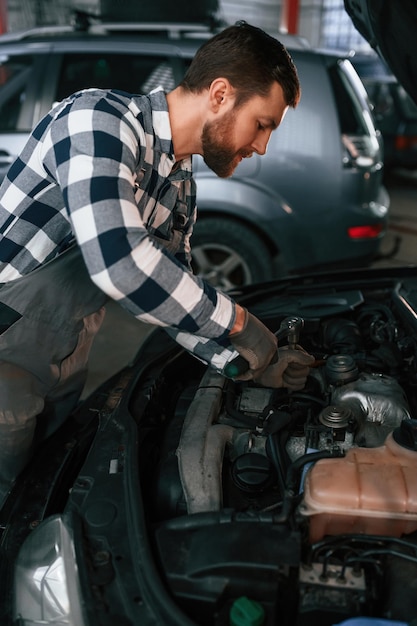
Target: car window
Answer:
pixel 127 72
pixel 15 73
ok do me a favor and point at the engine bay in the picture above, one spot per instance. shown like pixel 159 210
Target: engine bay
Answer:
pixel 300 504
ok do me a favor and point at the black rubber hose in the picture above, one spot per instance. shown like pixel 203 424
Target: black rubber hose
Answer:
pixel 290 496
pixel 210 518
pixel 295 467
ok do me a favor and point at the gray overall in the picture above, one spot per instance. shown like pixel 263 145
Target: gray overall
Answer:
pixel 48 320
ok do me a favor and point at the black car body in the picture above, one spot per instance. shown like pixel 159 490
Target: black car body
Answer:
pixel 176 496
pixel 389 28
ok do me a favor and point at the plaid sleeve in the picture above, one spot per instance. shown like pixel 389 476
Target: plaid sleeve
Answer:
pixel 96 146
pixel 209 351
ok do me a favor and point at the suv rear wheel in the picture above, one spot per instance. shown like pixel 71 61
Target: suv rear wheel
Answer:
pixel 228 254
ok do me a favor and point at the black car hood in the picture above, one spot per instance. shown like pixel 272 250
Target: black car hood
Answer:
pixel 389 27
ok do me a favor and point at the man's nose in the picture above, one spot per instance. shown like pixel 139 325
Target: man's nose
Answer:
pixel 260 144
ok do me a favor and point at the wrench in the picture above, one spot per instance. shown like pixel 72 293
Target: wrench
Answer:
pixel 290 327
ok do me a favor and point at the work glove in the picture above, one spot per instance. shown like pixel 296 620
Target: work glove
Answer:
pixel 256 343
pixel 290 371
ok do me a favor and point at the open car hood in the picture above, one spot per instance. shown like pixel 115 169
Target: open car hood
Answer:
pixel 177 497
pixel 389 27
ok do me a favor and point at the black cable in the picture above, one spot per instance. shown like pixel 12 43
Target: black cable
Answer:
pixel 360 555
pixel 273 451
pixel 386 552
pixel 298 464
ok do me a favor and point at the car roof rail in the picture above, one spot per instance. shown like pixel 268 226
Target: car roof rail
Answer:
pixel 88 22
pixel 169 30
pixel 37 31
pixel 173 31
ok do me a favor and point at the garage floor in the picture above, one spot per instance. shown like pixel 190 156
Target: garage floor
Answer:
pixel 121 335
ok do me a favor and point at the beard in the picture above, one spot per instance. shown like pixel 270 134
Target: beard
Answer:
pixel 218 152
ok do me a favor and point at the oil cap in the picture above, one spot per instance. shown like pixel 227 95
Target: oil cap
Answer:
pixel 406 434
pixel 247 612
pixel 252 472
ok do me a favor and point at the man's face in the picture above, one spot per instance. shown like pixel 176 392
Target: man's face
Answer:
pixel 238 133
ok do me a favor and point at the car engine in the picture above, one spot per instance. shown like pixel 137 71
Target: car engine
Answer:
pixel 302 504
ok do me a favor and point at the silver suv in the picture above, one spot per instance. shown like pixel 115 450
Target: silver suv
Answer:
pixel 315 200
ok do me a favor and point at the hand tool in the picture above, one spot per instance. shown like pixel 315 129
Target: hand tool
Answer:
pixel 290 327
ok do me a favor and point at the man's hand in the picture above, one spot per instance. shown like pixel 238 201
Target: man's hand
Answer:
pixel 290 371
pixel 254 341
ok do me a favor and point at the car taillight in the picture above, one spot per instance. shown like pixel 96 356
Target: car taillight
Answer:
pixel 402 142
pixel 365 232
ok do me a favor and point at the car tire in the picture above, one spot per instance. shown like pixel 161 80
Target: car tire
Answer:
pixel 228 254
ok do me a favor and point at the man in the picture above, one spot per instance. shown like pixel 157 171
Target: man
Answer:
pixel 111 173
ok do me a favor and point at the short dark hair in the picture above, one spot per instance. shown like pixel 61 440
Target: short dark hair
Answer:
pixel 250 59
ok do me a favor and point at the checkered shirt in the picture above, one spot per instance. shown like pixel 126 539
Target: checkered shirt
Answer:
pixel 100 168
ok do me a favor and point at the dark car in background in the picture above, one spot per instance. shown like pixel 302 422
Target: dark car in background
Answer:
pixel 315 199
pixel 394 111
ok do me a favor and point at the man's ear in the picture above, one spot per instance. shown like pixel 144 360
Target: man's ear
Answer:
pixel 221 94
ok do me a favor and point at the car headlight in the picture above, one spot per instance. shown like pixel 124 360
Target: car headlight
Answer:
pixel 47 588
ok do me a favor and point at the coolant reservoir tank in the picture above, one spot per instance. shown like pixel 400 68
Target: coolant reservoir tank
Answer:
pixel 370 490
